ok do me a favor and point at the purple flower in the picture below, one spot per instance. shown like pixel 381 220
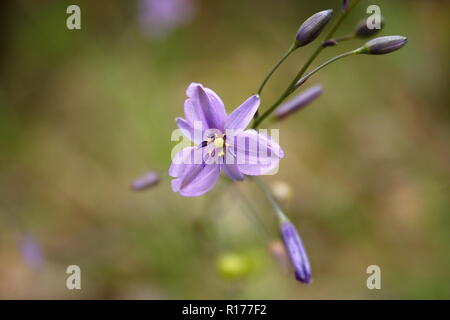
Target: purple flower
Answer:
pixel 222 144
pixel 31 251
pixel 151 179
pixel 158 17
pixel 299 102
pixel 296 251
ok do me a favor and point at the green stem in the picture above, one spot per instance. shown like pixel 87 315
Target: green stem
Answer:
pixel 288 91
pixel 309 74
pixel 291 86
pixel 279 213
pixel 253 212
pixel 284 57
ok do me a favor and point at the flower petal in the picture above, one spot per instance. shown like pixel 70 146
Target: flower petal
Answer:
pixel 232 171
pixel 206 106
pixel 242 115
pixel 189 130
pixel 193 177
pixel 181 160
pixel 256 153
pixel 197 180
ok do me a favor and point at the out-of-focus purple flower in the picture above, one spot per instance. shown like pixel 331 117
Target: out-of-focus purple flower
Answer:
pixel 312 27
pixel 151 179
pixel 345 4
pixel 299 102
pixel 296 252
pixel 362 31
pixel 278 251
pixel 31 251
pixel 158 17
pixel 329 43
pixel 222 142
pixel 383 45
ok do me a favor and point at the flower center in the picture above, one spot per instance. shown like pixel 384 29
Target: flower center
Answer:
pixel 219 142
pixel 218 146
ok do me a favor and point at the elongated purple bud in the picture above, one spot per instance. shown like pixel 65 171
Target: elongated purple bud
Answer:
pixel 151 179
pixel 312 27
pixel 362 31
pixel 383 45
pixel 329 43
pixel 296 252
pixel 299 102
pixel 345 4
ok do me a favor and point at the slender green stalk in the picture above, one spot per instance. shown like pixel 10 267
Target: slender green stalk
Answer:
pixel 291 86
pixel 309 74
pixel 279 213
pixel 288 91
pixel 284 57
pixel 252 212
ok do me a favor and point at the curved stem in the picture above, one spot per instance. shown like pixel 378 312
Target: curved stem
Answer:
pixel 279 213
pixel 291 86
pixel 284 57
pixel 309 74
pixel 253 214
pixel 288 91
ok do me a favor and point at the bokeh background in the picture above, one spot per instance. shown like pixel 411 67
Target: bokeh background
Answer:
pixel 85 112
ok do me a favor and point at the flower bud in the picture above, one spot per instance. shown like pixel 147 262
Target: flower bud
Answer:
pixel 383 45
pixel 151 179
pixel 299 102
pixel 345 4
pixel 362 31
pixel 296 252
pixel 329 43
pixel 312 27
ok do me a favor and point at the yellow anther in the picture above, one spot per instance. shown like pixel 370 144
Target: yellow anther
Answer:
pixel 221 154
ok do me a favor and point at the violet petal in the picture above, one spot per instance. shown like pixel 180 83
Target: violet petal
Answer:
pixel 256 153
pixel 242 115
pixel 205 106
pixel 232 171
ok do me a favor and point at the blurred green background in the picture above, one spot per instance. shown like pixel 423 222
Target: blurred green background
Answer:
pixel 85 112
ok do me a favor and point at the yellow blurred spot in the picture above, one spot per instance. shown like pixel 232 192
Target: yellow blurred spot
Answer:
pixel 232 265
pixel 281 190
